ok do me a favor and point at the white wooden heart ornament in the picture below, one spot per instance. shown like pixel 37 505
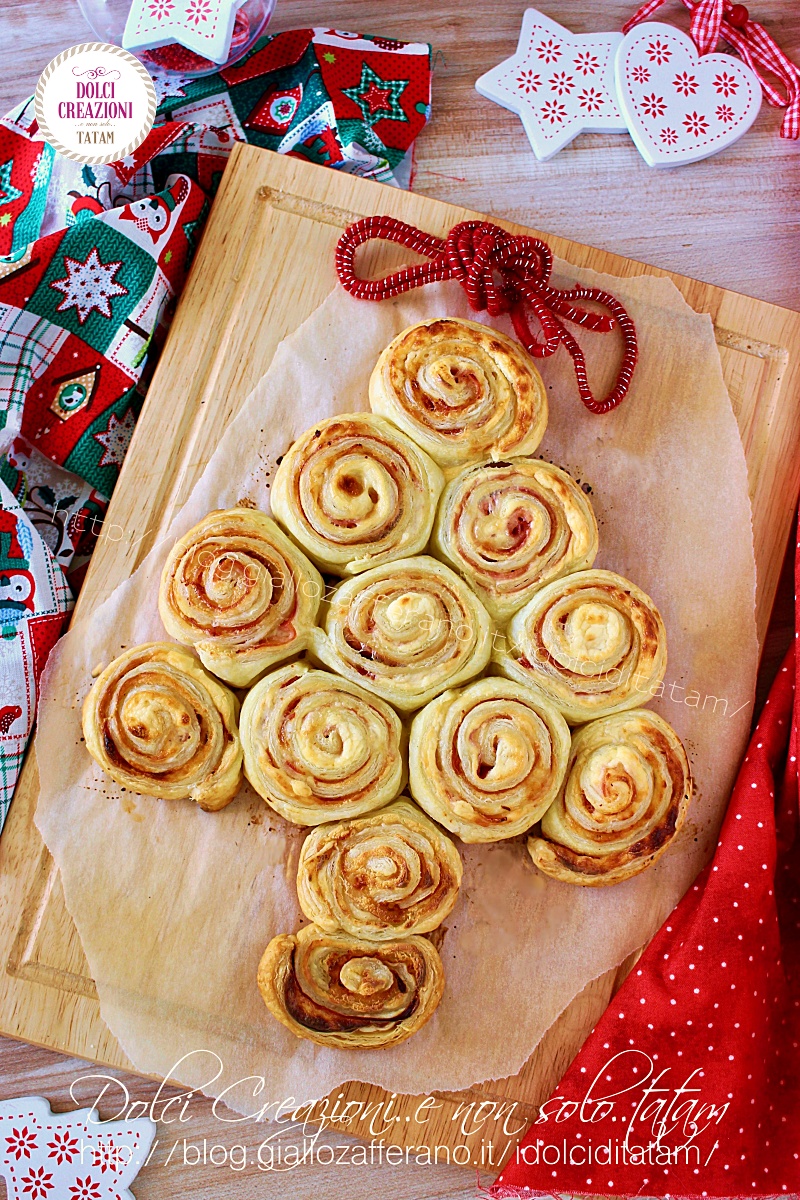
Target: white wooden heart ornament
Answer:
pixel 681 107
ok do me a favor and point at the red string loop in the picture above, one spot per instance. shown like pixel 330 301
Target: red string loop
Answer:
pixel 500 274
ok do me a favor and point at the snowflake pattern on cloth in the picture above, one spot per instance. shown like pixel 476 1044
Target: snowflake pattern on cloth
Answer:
pixel 115 438
pixel 89 285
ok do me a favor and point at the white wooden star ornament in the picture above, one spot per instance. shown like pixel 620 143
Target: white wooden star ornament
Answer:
pixel 204 26
pixel 559 83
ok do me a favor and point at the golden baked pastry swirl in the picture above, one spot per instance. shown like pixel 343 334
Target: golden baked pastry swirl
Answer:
pixel 239 591
pixel 355 492
pixel 380 877
pixel 592 644
pixel 319 748
pixel 405 631
pixel 461 390
pixel 510 527
pixel 625 797
pixel 488 760
pixel 341 991
pixel 159 724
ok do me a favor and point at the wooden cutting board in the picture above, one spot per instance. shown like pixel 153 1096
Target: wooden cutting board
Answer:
pixel 265 263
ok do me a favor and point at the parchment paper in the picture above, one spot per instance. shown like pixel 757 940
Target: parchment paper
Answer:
pixel 174 906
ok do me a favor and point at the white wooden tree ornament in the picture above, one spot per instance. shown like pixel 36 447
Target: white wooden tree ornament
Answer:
pixel 69 1156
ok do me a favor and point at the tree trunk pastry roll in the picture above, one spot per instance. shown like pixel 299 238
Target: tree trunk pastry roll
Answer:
pixel 348 993
pixel 355 492
pixel 381 877
pixel 159 724
pixel 510 527
pixel 625 797
pixel 592 644
pixel 461 390
pixel 319 748
pixel 238 590
pixel 487 761
pixel 405 631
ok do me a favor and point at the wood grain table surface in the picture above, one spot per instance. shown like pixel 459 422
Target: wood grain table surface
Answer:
pixel 733 220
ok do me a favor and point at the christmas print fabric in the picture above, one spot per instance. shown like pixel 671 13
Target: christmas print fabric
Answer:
pixel 83 305
pixel 34 601
pixel 690 1083
pixel 92 260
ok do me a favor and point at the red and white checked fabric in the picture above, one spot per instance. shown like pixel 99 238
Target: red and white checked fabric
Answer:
pixel 712 19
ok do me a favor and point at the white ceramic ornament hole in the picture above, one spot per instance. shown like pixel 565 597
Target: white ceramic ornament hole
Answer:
pixel 680 106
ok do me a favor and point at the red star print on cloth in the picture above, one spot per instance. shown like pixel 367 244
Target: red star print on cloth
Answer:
pixel 692 1076
pixel 89 286
pixel 560 84
pixel 376 98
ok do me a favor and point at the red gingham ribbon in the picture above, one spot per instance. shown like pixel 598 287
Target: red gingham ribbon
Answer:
pixel 712 19
pixel 500 273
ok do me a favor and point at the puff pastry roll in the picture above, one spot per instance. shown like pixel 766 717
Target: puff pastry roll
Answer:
pixel 160 725
pixel 592 644
pixel 461 390
pixel 380 877
pixel 405 631
pixel 625 797
pixel 488 760
pixel 239 591
pixel 510 527
pixel 318 748
pixel 355 492
pixel 351 994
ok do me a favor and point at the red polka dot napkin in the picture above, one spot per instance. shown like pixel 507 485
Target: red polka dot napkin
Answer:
pixel 690 1083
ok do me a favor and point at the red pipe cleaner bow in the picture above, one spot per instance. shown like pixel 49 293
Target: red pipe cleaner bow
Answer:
pixel 500 274
pixel 712 19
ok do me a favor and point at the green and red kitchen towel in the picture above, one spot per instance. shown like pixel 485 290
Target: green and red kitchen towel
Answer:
pixel 92 260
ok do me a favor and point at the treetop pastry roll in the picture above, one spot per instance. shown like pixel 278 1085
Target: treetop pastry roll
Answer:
pixel 159 724
pixel 318 747
pixel 405 631
pixel 355 492
pixel 487 761
pixel 510 527
pixel 625 797
pixel 592 644
pixel 461 390
pixel 380 877
pixel 238 590
pixel 348 993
